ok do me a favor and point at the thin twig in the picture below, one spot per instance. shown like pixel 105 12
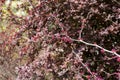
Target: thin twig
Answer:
pixel 80 33
pixel 117 2
pixel 84 65
pixel 95 45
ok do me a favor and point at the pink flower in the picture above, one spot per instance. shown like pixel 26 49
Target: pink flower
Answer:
pixel 118 59
pixel 113 50
pixel 35 38
pixel 53 37
pixel 80 39
pixel 88 77
pixel 102 51
pixel 38 29
pixel 57 36
pixel 66 39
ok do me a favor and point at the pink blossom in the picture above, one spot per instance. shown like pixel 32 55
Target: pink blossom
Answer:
pixel 113 50
pixel 102 51
pixel 118 59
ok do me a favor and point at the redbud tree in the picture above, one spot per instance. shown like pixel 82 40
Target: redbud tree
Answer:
pixel 69 40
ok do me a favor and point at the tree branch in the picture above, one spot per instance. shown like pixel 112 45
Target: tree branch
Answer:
pixel 95 45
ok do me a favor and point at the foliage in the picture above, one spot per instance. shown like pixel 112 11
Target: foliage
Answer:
pixel 68 40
